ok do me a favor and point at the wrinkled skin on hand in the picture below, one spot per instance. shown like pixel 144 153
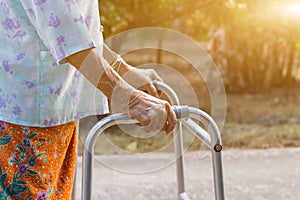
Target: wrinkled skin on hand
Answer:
pixel 142 79
pixel 153 114
pixel 138 78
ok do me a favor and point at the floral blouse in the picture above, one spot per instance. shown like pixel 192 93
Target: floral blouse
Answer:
pixel 36 87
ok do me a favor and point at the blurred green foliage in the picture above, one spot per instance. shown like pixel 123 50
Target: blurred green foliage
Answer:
pixel 255 43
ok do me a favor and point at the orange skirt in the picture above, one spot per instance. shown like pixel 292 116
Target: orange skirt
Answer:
pixel 37 163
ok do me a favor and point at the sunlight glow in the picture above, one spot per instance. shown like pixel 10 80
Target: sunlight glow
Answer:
pixel 292 9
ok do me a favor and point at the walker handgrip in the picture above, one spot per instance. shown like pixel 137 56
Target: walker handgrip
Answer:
pixel 181 111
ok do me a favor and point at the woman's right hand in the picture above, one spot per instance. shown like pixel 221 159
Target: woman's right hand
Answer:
pixel 152 113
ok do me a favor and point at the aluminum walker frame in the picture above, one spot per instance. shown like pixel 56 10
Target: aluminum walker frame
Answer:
pixel 184 115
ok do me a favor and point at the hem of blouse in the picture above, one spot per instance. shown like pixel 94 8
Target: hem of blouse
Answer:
pixel 73 50
pixel 35 124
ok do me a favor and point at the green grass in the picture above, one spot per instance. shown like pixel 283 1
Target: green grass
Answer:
pixel 258 136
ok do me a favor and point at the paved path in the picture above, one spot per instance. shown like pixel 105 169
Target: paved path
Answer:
pixel 272 174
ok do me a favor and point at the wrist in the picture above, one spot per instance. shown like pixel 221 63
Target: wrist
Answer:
pixel 120 66
pixel 123 98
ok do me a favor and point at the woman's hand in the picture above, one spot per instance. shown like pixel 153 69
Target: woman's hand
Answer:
pixel 138 78
pixel 142 79
pixel 153 114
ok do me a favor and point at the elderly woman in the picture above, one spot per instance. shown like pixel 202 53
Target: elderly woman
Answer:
pixel 54 71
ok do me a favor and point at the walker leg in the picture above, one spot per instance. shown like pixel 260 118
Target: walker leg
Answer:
pixel 87 171
pixel 178 144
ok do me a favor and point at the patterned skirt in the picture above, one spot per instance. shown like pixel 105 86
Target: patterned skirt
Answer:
pixel 37 163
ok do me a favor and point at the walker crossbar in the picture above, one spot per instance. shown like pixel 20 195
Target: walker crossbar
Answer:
pixel 185 115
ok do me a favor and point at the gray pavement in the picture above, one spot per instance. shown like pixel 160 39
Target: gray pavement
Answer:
pixel 272 174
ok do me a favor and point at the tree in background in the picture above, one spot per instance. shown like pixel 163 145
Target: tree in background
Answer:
pixel 259 45
pixel 255 43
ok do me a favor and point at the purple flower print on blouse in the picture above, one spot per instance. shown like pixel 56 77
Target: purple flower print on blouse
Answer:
pixel 29 84
pixel 79 20
pixel 61 53
pixel 17 110
pixel 11 24
pixel 6 67
pixel 32 12
pixel 54 64
pixel 78 115
pixel 50 122
pixel 61 39
pixel 42 196
pixel 88 20
pixel 77 73
pixel 6 5
pixel 39 2
pixel 74 97
pixel 54 21
pixel 21 56
pixel 91 44
pixel 22 169
pixel 68 4
pixel 2 126
pixel 55 91
pixel 2 102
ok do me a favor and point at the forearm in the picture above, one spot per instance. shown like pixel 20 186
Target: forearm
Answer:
pixel 98 71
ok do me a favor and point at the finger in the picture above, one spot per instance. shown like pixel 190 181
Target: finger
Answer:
pixel 159 93
pixel 171 120
pixel 151 89
pixel 154 75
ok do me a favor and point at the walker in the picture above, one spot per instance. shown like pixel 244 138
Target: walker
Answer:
pixel 184 114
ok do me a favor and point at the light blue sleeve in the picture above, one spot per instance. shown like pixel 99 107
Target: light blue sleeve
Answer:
pixel 60 25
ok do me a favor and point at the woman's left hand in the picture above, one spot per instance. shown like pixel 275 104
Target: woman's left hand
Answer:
pixel 142 79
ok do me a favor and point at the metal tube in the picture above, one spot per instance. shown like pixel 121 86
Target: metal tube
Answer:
pixel 198 130
pixel 209 122
pixel 183 196
pixel 178 141
pixel 168 91
pixel 216 146
pixel 88 152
